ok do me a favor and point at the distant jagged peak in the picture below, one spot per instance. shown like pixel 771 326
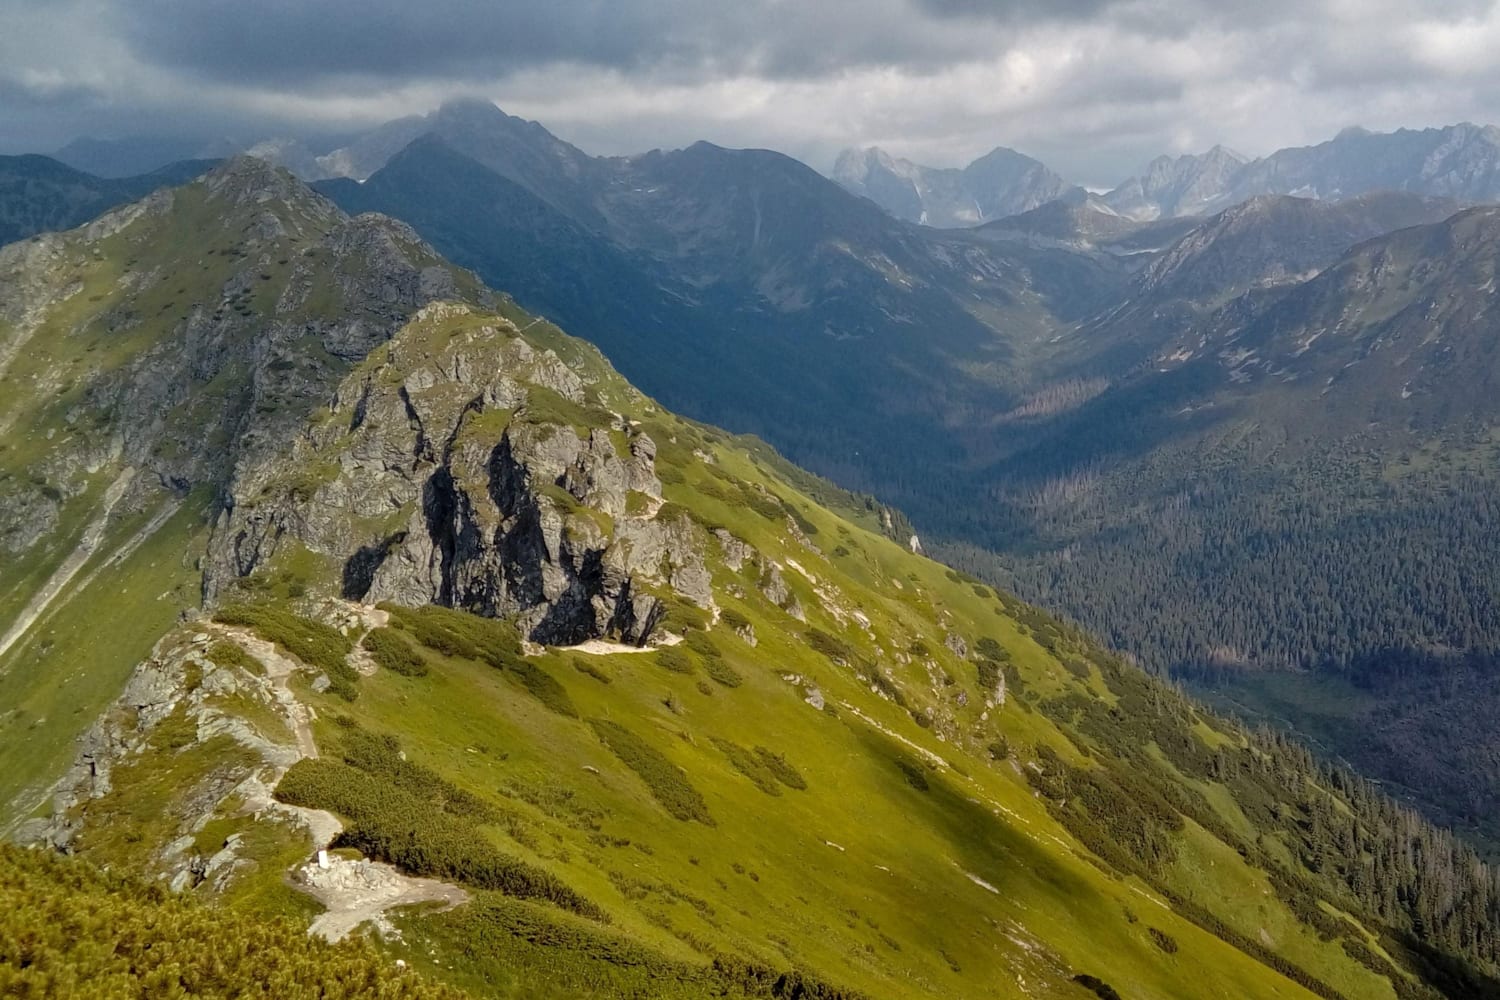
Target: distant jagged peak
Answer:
pixel 1000 183
pixel 1281 239
pixel 480 114
pixel 1216 157
pixel 854 165
pixel 469 106
pixel 1004 155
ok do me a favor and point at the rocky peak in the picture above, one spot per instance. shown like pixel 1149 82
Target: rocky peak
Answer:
pixel 472 110
pixel 218 315
pixel 854 166
pixel 463 464
pixel 1000 183
pixel 250 180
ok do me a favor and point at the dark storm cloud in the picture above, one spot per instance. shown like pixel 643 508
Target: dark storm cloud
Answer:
pixel 292 41
pixel 1096 86
pixel 307 42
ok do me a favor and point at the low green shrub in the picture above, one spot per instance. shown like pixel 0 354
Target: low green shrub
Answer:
pixel 542 686
pixel 913 772
pixel 749 764
pixel 68 929
pixel 584 666
pixel 459 633
pixel 767 505
pixel 1097 986
pixel 713 660
pixel 388 649
pixel 734 619
pixel 314 643
pixel 723 673
pixel 675 660
pixel 390 824
pixel 830 646
pixel 808 528
pixel 988 673
pixel 230 654
pixel 665 780
pixel 545 954
pixel 381 756
pixel 683 615
pixel 781 769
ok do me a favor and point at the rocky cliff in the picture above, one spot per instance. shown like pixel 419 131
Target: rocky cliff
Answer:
pixel 462 465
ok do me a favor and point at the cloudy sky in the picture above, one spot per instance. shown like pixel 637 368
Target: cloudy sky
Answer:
pixel 1093 87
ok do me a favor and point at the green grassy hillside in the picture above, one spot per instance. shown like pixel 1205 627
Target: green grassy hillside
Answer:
pixel 698 725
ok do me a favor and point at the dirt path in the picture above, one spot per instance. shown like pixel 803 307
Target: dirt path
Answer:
pixel 279 669
pixel 353 892
pixel 356 892
pixel 369 618
pixel 87 545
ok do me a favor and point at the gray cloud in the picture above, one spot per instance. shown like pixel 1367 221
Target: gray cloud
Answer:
pixel 1095 87
pixel 302 43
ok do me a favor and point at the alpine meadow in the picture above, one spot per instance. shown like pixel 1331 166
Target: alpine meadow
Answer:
pixel 440 562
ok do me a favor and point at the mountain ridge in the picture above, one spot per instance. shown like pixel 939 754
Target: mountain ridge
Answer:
pixel 804 747
pixel 1460 161
pixel 767 276
pixel 41 194
pixel 1002 182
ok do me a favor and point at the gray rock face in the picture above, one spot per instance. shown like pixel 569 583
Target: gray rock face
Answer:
pixel 1000 183
pixel 1459 161
pixel 773 585
pixel 447 477
pixel 736 552
pixel 175 677
pixel 1184 185
pixel 259 328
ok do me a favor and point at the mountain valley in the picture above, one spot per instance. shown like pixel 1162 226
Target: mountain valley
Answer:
pixel 1127 424
pixel 397 568
pixel 353 605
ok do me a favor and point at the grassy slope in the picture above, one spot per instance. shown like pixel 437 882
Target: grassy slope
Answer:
pixel 894 908
pixel 72 663
pixel 92 636
pixel 122 298
pixel 863 876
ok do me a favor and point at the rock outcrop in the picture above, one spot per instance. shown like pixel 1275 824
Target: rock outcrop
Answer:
pixel 461 465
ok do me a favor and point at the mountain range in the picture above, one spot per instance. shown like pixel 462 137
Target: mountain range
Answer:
pixel 808 303
pixel 39 194
pixel 1284 497
pixel 1000 183
pixel 296 464
pixel 1460 162
pixel 576 694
